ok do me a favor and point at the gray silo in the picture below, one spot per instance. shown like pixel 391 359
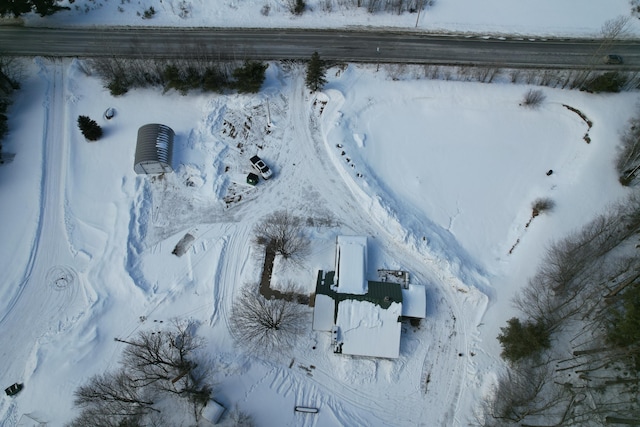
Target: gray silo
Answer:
pixel 154 150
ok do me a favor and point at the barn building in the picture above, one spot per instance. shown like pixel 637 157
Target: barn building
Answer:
pixel 154 150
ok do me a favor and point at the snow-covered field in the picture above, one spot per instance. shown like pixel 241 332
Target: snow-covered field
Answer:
pixel 440 175
pixel 527 17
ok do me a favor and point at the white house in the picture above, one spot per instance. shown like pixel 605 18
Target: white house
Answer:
pixel 363 316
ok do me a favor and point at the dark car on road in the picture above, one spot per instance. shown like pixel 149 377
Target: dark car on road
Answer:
pixel 613 60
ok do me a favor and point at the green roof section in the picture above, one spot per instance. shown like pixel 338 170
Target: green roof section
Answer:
pixel 380 293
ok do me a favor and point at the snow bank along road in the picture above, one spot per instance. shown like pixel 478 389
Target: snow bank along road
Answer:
pixel 273 44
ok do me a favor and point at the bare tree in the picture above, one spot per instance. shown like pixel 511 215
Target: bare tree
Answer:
pixel 266 325
pixel 523 392
pixel 154 364
pixel 628 161
pixel 114 397
pixel 283 233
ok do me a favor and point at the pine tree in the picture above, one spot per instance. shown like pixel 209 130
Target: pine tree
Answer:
pixel 315 73
pixel 20 7
pixel 89 128
pixel 250 76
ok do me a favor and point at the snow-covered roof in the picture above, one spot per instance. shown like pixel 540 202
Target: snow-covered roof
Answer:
pixel 351 264
pixel 213 411
pixel 414 301
pixel 366 329
pixel 323 313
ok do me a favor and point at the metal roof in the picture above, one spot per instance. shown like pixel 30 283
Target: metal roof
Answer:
pixel 154 150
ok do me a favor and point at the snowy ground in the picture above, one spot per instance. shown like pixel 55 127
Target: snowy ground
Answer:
pixel 526 17
pixel 439 174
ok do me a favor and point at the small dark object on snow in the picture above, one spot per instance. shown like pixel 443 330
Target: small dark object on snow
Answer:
pixel 13 389
pixel 306 409
pixel 109 113
pixel 252 179
pixel 549 172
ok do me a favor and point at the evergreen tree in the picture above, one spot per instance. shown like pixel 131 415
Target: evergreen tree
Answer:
pixel 316 73
pixel 250 76
pixel 89 128
pixel 20 7
pixel 624 330
pixel 522 340
pixel 46 7
pixel 213 80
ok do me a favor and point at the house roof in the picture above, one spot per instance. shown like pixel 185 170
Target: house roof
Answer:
pixel 351 264
pixel 414 301
pixel 366 329
pixel 323 313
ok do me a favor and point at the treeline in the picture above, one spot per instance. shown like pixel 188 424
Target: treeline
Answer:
pixel 628 161
pixel 574 357
pixel 16 8
pixel 120 75
pixel 8 84
pixel 374 6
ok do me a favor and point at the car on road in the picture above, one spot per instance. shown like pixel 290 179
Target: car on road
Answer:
pixel 613 59
pixel 261 167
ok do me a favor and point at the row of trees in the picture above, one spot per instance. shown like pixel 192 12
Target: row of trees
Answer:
pixel 575 358
pixel 8 84
pixel 374 6
pixel 628 161
pixel 202 73
pixel 17 8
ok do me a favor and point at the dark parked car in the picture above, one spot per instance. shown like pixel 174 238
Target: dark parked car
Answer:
pixel 613 59
pixel 261 167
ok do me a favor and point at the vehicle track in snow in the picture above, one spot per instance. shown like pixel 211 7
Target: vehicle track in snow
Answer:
pixel 52 293
pixel 310 154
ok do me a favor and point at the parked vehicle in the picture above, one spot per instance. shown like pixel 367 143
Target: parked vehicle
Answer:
pixel 613 60
pixel 261 167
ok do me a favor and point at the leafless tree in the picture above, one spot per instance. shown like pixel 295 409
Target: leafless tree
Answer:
pixel 522 393
pixel 154 364
pixel 164 358
pixel 113 396
pixel 628 160
pixel 266 325
pixel 283 233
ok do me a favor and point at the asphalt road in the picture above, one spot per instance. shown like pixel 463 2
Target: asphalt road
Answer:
pixel 341 45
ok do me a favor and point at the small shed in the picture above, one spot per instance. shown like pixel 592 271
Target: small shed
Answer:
pixel 213 412
pixel 252 179
pixel 154 150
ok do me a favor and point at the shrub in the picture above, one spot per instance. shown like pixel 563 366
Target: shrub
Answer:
pixel 118 86
pixel 607 82
pixel 541 205
pixel 148 14
pixel 533 98
pixel 522 340
pixel 250 76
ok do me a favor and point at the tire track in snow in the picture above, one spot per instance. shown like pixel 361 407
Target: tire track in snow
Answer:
pixel 52 295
